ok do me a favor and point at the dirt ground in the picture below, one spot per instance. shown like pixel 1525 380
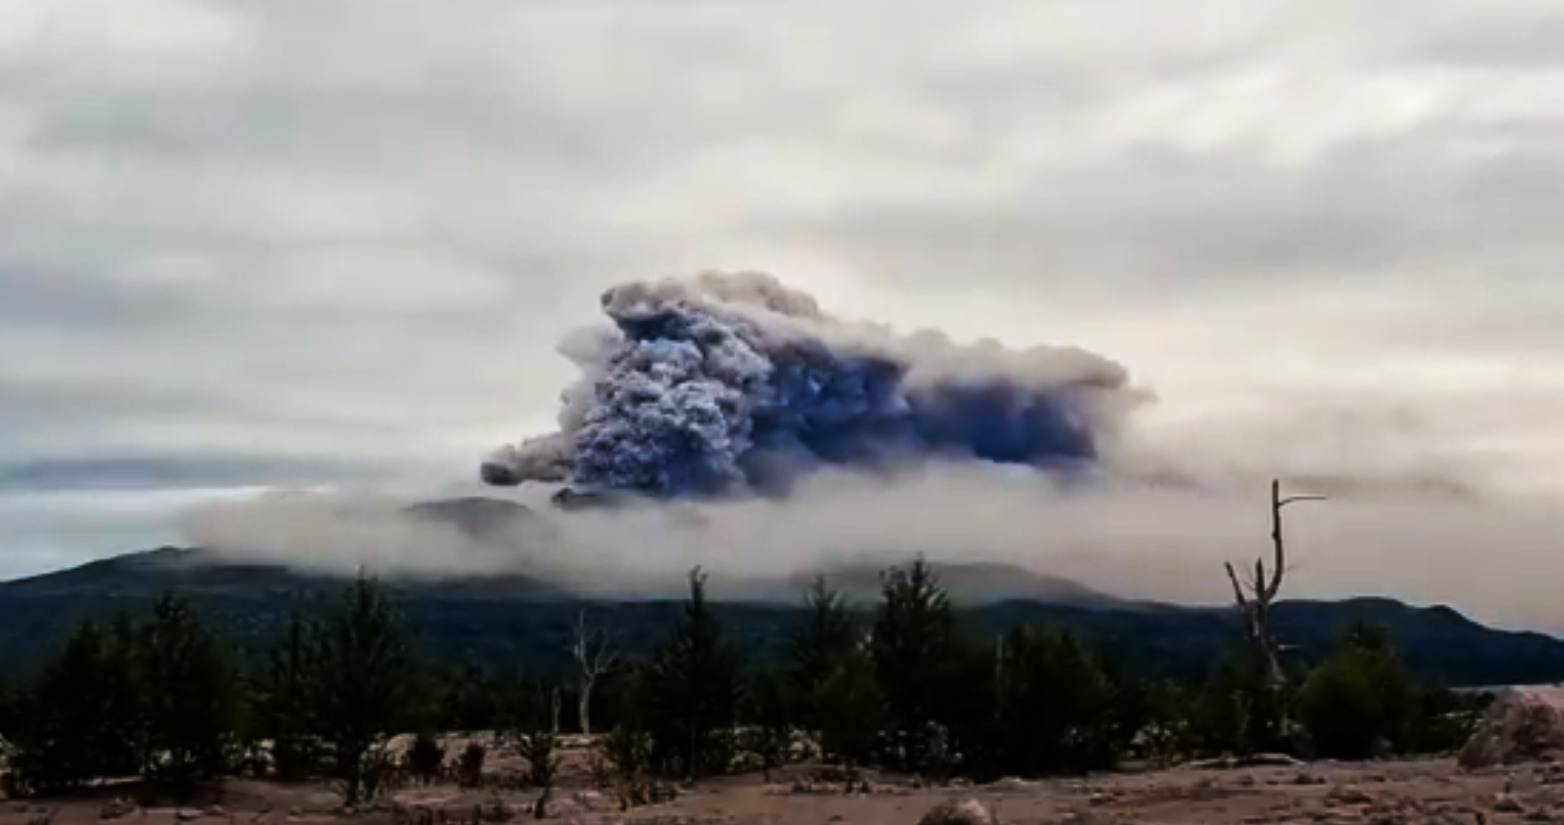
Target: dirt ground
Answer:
pixel 1431 791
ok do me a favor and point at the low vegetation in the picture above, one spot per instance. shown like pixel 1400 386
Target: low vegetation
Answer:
pixel 916 687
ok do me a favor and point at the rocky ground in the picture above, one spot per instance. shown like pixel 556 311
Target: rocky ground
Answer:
pixel 1432 791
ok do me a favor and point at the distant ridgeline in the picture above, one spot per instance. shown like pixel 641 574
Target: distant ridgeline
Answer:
pixel 520 622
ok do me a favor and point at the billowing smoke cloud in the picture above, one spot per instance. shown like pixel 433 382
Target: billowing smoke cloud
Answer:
pixel 1127 537
pixel 724 385
pixel 731 383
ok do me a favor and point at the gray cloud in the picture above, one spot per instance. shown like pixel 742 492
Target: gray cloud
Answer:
pixel 334 242
pixel 1158 541
pixel 167 472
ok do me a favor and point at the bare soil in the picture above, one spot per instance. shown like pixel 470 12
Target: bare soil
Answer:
pixel 1382 793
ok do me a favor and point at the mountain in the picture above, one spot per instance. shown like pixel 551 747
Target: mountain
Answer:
pixel 478 517
pixel 202 572
pixel 967 583
pixel 512 618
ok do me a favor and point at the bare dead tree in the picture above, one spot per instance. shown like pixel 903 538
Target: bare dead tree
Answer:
pixel 1255 596
pixel 595 656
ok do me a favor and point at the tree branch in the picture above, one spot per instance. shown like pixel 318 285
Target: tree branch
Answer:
pixel 1238 590
pixel 593 650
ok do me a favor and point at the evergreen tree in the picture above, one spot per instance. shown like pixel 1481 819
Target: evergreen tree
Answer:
pixel 76 721
pixel 10 712
pixel 1132 697
pixel 1233 712
pixel 361 685
pixel 691 687
pixel 189 697
pixel 850 711
pixel 831 688
pixel 1168 734
pixel 123 656
pixel 920 662
pixel 281 697
pixel 827 637
pixel 1055 709
pixel 768 713
pixel 1443 719
pixel 471 700
pixel 1359 702
pixel 623 759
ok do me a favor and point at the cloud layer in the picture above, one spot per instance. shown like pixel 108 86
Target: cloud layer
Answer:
pixel 331 243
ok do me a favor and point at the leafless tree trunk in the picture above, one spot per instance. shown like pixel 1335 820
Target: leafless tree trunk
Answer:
pixel 595 655
pixel 1255 596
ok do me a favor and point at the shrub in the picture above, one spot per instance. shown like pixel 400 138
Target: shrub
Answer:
pixel 469 766
pixel 625 756
pixel 425 758
pixel 1358 702
pixel 540 750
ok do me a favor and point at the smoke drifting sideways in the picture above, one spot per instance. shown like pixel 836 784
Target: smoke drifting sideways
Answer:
pixel 732 385
pixel 726 388
pixel 1130 536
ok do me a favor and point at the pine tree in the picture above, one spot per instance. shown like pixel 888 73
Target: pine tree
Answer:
pixel 824 641
pixel 75 721
pixel 623 758
pixel 361 686
pixel 471 699
pixel 189 698
pixel 282 704
pixel 129 698
pixel 919 662
pixel 768 711
pixel 10 712
pixel 850 711
pixel 1360 701
pixel 1168 732
pixel 691 687
pixel 1234 711
pixel 1055 713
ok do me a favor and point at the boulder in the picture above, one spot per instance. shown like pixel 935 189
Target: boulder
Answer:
pixel 959 812
pixel 1522 725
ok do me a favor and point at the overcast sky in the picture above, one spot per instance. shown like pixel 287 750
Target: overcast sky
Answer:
pixel 331 243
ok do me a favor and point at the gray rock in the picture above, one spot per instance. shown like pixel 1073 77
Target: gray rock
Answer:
pixel 959 812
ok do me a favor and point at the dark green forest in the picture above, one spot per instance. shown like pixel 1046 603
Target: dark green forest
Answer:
pixel 913 683
pixel 528 624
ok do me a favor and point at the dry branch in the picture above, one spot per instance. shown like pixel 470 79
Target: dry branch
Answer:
pixel 595 655
pixel 1254 597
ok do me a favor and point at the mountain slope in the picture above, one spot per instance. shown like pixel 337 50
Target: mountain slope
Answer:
pixel 967 583
pixel 509 620
pixel 513 618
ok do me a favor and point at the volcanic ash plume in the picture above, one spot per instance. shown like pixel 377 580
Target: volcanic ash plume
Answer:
pixel 733 384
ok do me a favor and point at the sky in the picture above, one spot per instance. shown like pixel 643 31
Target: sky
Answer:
pixel 331 244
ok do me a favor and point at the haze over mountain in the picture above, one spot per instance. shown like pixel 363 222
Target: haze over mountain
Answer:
pixel 511 618
pixel 506 543
pixel 1160 542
